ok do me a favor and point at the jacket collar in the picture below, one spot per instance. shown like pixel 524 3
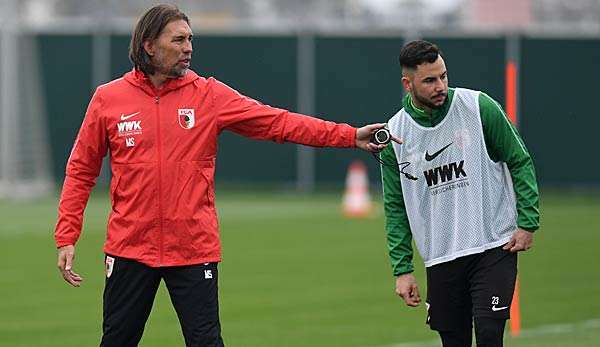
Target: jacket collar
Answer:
pixel 139 79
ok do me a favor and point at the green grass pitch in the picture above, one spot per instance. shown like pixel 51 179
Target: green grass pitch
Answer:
pixel 294 273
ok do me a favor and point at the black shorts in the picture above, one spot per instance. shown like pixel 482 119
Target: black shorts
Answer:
pixel 477 285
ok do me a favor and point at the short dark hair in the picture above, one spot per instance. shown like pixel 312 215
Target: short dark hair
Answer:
pixel 149 27
pixel 418 52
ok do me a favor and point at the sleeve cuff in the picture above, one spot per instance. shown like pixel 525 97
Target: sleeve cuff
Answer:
pixel 401 270
pixel 352 139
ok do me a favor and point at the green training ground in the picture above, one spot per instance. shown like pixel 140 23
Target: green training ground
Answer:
pixel 295 273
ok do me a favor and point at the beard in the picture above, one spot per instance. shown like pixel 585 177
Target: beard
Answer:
pixel 174 71
pixel 428 103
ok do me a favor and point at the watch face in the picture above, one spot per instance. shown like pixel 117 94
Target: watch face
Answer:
pixel 382 136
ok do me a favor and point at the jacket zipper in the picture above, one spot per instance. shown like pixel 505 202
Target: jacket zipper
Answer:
pixel 160 217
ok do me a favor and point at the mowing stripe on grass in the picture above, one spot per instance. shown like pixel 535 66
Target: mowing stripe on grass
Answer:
pixel 542 330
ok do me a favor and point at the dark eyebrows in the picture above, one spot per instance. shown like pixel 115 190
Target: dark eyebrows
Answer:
pixel 431 78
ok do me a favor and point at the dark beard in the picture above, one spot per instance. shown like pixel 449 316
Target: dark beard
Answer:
pixel 428 103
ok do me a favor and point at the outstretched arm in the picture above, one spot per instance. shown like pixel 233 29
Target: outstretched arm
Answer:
pixel 250 118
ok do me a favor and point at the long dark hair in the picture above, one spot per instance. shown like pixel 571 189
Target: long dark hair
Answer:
pixel 149 27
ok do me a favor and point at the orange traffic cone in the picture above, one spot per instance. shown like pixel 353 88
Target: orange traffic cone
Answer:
pixel 357 201
pixel 515 312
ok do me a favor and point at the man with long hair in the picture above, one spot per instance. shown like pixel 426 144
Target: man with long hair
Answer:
pixel 161 122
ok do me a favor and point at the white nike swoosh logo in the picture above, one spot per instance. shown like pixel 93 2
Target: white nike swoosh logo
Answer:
pixel 494 308
pixel 125 117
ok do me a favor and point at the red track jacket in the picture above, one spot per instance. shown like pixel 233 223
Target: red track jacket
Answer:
pixel 163 146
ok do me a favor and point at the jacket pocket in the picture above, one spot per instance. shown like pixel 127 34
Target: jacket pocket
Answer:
pixel 208 175
pixel 114 184
pixel 195 192
pixel 134 190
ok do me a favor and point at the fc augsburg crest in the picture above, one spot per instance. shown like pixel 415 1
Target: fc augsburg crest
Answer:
pixel 186 117
pixel 110 263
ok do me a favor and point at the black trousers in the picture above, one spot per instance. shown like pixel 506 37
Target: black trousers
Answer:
pixel 129 294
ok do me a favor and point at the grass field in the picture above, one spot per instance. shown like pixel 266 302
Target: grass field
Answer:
pixel 295 273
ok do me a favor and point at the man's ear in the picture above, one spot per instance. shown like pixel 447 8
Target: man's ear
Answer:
pixel 149 47
pixel 406 83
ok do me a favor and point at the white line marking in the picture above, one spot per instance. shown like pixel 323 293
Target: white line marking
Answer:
pixel 549 329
